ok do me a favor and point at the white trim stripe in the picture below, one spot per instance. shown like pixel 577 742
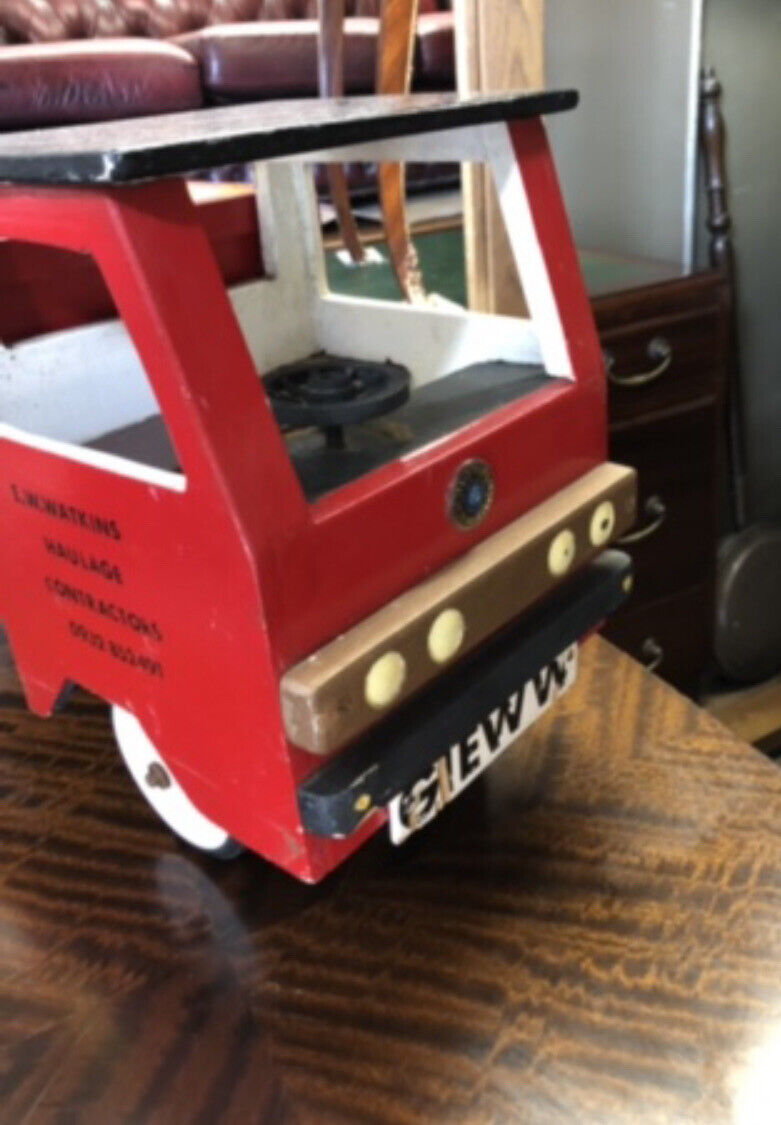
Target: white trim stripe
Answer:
pixel 97 459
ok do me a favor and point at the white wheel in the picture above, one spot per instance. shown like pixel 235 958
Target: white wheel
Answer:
pixel 163 791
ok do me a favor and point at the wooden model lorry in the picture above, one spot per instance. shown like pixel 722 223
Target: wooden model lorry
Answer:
pixel 373 534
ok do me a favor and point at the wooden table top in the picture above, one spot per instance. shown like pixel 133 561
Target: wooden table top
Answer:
pixel 591 934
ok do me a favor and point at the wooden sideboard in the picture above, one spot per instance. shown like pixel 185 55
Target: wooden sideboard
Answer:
pixel 667 349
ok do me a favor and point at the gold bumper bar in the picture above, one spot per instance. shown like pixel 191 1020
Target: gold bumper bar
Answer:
pixel 355 680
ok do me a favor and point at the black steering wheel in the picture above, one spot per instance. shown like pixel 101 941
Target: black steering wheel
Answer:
pixel 333 391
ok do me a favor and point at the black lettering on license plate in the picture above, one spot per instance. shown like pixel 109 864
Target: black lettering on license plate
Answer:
pixel 450 774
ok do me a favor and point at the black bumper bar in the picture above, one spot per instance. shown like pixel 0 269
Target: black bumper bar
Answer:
pixel 367 775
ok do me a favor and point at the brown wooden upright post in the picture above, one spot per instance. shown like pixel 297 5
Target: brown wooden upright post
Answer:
pixel 500 46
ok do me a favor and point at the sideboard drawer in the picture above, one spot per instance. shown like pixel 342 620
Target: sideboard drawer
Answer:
pixel 663 363
pixel 671 637
pixel 675 457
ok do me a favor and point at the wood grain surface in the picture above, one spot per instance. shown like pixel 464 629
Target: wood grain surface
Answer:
pixel 592 934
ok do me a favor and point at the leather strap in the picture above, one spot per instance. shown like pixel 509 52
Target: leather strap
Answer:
pixel 394 76
pixel 331 83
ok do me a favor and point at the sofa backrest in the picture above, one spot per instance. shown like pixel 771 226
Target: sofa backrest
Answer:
pixel 42 21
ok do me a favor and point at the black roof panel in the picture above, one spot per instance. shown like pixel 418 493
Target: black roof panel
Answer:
pixel 144 148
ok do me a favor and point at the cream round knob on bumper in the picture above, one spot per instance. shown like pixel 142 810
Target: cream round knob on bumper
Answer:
pixel 446 635
pixel 603 523
pixel 561 553
pixel 385 679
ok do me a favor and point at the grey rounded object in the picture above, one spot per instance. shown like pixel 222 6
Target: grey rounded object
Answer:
pixel 748 605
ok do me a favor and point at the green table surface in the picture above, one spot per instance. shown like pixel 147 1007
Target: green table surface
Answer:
pixel 442 259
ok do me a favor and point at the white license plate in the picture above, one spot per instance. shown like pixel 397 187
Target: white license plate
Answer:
pixel 451 774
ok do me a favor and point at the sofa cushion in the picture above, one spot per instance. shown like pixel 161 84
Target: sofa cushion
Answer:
pixel 92 80
pixel 44 21
pixel 37 21
pixel 278 59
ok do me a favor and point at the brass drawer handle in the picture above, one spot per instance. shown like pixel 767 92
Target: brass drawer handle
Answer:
pixel 660 353
pixel 656 513
pixel 652 654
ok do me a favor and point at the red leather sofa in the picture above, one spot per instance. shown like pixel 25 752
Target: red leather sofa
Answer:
pixel 64 61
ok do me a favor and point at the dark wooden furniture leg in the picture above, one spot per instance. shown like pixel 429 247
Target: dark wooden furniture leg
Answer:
pixel 331 83
pixel 394 74
pixel 722 257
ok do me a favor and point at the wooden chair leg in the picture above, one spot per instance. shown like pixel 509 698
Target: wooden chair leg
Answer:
pixel 394 76
pixel 331 84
